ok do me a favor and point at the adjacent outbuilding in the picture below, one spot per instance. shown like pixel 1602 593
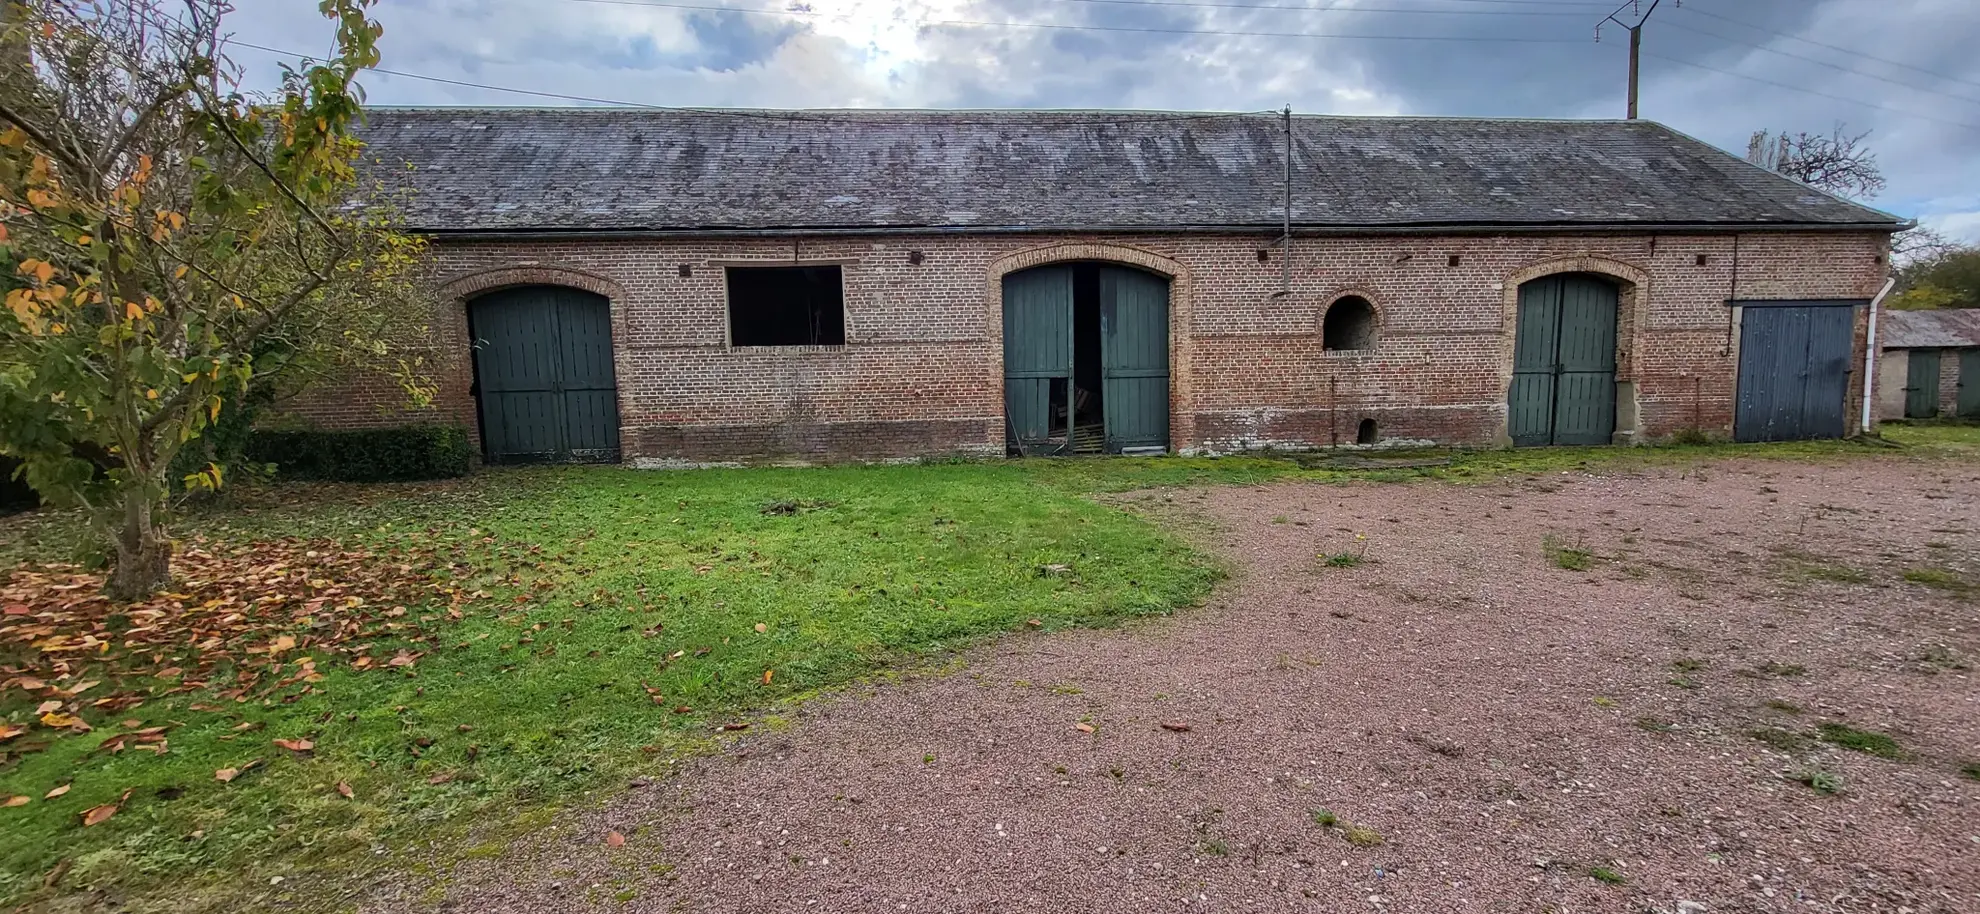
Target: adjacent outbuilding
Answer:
pixel 667 287
pixel 1930 364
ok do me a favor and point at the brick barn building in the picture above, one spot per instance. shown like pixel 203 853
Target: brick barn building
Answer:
pixel 670 287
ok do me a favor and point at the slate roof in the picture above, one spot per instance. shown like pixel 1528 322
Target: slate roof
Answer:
pixel 625 169
pixel 1943 329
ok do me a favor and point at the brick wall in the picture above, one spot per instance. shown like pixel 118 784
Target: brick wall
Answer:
pixel 921 371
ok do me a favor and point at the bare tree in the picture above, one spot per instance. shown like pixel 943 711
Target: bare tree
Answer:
pixel 1839 162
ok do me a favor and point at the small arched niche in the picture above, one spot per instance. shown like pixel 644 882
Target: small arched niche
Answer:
pixel 1349 325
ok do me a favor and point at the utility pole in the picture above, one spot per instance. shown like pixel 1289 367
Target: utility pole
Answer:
pixel 1641 16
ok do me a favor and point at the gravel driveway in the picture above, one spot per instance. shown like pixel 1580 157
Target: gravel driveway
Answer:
pixel 1457 723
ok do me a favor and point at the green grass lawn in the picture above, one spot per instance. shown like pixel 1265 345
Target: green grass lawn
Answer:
pixel 675 584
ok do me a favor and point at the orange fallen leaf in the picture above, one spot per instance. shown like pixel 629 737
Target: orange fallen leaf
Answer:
pixel 295 745
pixel 132 724
pixel 97 815
pixel 1034 623
pixel 614 839
pixel 226 775
pixel 766 676
pixel 16 801
pixel 57 792
pixel 9 731
pixel 344 789
pixel 761 628
pixel 48 707
pixel 1083 727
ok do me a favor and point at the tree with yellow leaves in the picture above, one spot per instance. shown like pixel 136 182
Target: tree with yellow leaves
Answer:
pixel 173 240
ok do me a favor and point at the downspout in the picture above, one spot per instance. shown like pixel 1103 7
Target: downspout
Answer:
pixel 1285 239
pixel 1870 354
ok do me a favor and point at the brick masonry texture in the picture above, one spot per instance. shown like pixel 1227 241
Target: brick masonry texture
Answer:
pixel 921 371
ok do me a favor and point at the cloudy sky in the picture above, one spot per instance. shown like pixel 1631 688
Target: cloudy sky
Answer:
pixel 1717 69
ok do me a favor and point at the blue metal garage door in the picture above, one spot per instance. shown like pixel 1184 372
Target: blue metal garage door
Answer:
pixel 1793 369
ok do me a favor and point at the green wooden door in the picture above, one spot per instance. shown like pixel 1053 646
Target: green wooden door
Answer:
pixel 1564 363
pixel 1038 347
pixel 1921 384
pixel 1134 358
pixel 1969 384
pixel 544 375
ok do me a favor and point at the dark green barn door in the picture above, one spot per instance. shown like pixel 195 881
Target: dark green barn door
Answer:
pixel 1969 384
pixel 1134 355
pixel 544 376
pixel 1564 363
pixel 1038 347
pixel 1921 385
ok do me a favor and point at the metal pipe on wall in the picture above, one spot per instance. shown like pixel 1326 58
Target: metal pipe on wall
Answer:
pixel 1870 355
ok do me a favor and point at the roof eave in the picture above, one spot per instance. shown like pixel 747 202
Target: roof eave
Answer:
pixel 528 233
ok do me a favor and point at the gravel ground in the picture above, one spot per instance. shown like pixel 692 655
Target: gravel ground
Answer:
pixel 1494 727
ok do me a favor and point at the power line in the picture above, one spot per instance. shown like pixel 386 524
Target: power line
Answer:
pixel 971 23
pixel 1188 4
pixel 1822 63
pixel 1806 91
pixel 1819 44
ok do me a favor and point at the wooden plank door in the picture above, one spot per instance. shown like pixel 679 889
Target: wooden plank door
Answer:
pixel 1585 387
pixel 1968 406
pixel 1134 358
pixel 516 375
pixel 1921 385
pixel 543 375
pixel 1038 351
pixel 1564 363
pixel 1793 372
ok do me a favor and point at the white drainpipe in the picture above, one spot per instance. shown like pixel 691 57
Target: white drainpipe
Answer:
pixel 1870 354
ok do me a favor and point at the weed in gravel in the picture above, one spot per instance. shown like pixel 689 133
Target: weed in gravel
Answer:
pixel 1819 779
pixel 1435 745
pixel 1281 519
pixel 1573 556
pixel 1834 572
pixel 1773 669
pixel 1933 659
pixel 1970 771
pixel 1655 724
pixel 1688 665
pixel 1604 874
pixel 1603 701
pixel 1325 818
pixel 1782 740
pixel 1685 682
pixel 1362 836
pixel 1869 742
pixel 1348 558
pixel 1937 579
pixel 1781 705
pixel 1215 847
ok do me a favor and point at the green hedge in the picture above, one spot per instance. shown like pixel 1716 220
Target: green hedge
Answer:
pixel 375 455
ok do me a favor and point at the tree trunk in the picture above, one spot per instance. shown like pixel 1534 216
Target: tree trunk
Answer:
pixel 144 558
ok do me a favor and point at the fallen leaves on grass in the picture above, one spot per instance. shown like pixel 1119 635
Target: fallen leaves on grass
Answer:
pixel 52 794
pixel 227 775
pixel 17 800
pixel 97 815
pixel 344 790
pixel 295 745
pixel 263 613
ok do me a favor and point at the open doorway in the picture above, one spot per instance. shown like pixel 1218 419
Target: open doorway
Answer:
pixel 1086 360
pixel 1087 406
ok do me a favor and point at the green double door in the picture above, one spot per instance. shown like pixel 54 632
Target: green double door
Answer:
pixel 1921 384
pixel 1046 389
pixel 1564 363
pixel 543 375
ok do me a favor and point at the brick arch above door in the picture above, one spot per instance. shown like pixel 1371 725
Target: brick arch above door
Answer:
pixel 467 285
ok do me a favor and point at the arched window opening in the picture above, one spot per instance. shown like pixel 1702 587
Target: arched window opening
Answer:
pixel 1349 325
pixel 1367 432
